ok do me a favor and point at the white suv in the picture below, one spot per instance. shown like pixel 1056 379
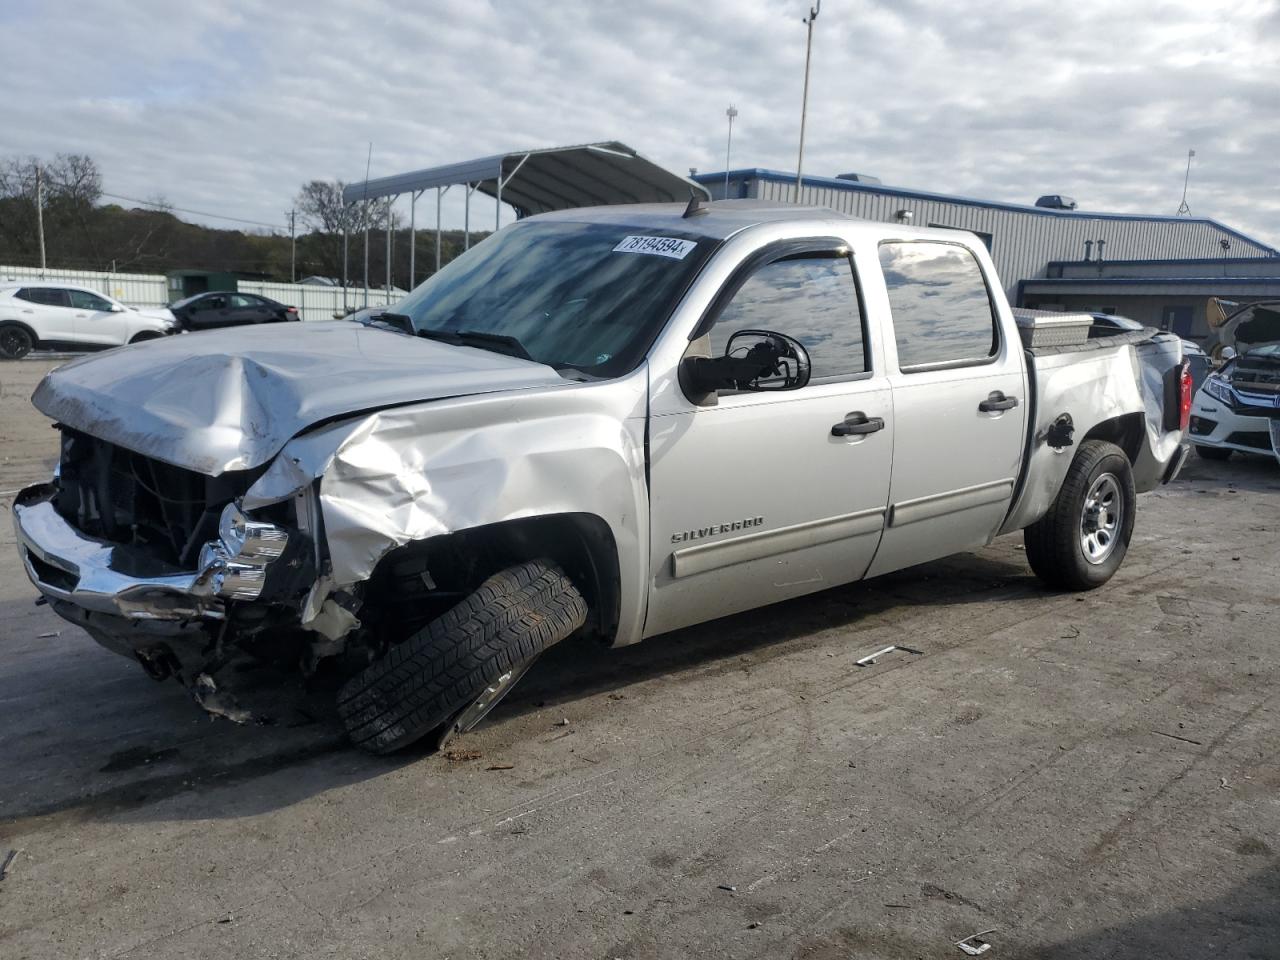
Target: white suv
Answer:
pixel 49 314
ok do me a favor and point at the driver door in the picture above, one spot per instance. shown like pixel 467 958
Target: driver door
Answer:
pixel 96 320
pixel 754 499
pixel 209 312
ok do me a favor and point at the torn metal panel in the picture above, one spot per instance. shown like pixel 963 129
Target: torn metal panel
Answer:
pixel 415 472
pixel 1094 386
pixel 226 400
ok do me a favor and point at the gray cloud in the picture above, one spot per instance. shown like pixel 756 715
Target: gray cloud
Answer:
pixel 230 106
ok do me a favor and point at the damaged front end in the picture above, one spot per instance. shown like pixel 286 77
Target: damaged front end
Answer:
pixel 161 564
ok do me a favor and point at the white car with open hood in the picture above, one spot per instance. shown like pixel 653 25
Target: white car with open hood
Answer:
pixel 1237 408
pixel 605 423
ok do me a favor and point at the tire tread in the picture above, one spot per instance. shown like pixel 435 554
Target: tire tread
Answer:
pixel 423 681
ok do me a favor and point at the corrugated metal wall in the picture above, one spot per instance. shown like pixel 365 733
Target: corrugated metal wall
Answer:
pixel 150 290
pixel 1023 243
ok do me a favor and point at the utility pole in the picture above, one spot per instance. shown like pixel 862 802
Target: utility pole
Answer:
pixel 1183 209
pixel 728 147
pixel 293 248
pixel 40 215
pixel 364 212
pixel 804 103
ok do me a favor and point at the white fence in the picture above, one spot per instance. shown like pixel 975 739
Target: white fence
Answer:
pixel 151 290
pixel 317 302
pixel 135 289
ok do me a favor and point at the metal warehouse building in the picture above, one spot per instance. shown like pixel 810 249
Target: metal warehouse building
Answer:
pixel 1157 269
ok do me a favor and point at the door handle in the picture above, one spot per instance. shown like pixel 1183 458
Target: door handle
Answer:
pixel 997 401
pixel 857 423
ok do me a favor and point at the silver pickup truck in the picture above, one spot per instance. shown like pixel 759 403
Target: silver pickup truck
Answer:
pixel 609 422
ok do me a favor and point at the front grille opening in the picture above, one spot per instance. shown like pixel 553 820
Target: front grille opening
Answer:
pixel 52 576
pixel 123 497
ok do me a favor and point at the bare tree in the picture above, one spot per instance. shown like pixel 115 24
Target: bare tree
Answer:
pixel 321 208
pixel 71 185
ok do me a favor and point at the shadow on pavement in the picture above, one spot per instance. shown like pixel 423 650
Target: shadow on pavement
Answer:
pixel 86 733
pixel 1243 924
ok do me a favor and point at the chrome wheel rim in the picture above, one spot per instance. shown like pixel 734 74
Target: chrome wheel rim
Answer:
pixel 1101 519
pixel 489 698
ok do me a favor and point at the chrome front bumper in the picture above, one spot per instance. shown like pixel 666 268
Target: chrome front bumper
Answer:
pixel 102 577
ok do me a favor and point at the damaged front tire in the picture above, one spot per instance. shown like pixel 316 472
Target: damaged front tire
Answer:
pixel 454 666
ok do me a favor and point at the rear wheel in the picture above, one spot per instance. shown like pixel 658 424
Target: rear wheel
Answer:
pixel 1081 542
pixel 455 670
pixel 1213 453
pixel 15 342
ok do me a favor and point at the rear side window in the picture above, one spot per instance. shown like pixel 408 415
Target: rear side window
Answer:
pixel 811 298
pixel 942 312
pixel 240 301
pixel 49 296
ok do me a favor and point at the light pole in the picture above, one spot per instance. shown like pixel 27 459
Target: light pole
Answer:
pixel 40 215
pixel 804 103
pixel 1183 209
pixel 728 147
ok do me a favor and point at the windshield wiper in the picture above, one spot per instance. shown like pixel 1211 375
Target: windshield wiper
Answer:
pixel 497 342
pixel 398 321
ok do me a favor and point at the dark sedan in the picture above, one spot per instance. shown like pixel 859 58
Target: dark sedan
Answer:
pixel 207 311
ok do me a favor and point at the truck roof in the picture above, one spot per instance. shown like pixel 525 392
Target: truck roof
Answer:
pixel 723 218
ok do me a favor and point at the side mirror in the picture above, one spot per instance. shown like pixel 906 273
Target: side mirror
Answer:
pixel 117 308
pixel 754 360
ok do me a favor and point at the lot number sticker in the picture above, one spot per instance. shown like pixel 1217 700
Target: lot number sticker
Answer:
pixel 657 246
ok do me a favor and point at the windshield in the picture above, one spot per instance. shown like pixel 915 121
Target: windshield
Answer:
pixel 588 297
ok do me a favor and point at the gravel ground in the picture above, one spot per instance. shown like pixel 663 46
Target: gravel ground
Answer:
pixel 1091 776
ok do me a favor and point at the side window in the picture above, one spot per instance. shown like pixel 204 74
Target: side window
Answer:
pixel 941 310
pixel 239 301
pixel 811 298
pixel 49 296
pixel 84 300
pixel 213 303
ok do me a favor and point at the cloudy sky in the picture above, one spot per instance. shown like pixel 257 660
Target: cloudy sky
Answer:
pixel 228 106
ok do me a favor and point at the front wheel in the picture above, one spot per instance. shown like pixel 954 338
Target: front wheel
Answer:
pixel 455 669
pixel 15 342
pixel 145 335
pixel 1081 542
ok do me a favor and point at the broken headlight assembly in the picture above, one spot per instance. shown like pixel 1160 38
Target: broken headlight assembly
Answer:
pixel 235 565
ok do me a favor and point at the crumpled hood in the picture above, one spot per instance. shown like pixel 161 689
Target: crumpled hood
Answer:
pixel 230 399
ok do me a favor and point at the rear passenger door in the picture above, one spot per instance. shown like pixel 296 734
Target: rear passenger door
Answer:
pixel 248 309
pixel 959 403
pixel 49 313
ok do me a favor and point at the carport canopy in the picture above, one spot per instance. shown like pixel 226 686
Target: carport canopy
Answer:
pixel 531 181
pixel 535 181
